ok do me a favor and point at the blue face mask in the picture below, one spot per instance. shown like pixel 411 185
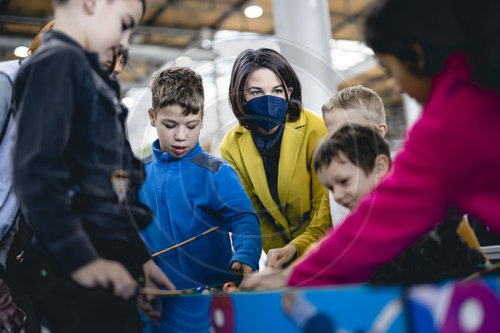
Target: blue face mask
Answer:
pixel 266 111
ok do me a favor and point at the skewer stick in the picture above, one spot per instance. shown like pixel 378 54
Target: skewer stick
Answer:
pixel 476 275
pixel 186 241
pixel 157 292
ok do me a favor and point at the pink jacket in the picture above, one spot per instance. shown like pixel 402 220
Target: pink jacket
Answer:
pixel 452 157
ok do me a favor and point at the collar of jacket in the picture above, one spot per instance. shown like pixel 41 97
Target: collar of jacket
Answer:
pixel 163 157
pixel 293 137
pixel 54 35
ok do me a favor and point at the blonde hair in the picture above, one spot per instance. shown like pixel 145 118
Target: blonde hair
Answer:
pixel 358 98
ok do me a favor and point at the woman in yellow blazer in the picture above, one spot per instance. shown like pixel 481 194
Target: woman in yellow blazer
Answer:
pixel 272 146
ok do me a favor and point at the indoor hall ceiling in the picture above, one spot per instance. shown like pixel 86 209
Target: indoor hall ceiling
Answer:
pixel 171 27
pixel 178 23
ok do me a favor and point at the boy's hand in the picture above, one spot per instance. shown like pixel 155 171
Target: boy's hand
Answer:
pixel 276 258
pixel 154 279
pixel 241 269
pixel 266 280
pixel 106 273
pixel 11 317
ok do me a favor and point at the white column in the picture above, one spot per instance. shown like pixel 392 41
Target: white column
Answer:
pixel 304 32
pixel 413 110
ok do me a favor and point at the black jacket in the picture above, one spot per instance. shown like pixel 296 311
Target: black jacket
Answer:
pixel 74 172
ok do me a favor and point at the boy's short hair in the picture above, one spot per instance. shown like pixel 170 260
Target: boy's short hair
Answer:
pixel 359 98
pixel 178 85
pixel 360 144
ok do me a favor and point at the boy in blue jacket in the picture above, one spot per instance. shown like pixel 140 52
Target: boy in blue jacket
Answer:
pixel 191 191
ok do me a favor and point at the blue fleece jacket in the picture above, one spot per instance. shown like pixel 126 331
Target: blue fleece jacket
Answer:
pixel 189 196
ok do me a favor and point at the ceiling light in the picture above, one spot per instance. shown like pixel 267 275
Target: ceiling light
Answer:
pixel 21 52
pixel 253 11
pixel 206 44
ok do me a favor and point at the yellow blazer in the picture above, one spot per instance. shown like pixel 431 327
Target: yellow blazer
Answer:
pixel 320 223
pixel 299 189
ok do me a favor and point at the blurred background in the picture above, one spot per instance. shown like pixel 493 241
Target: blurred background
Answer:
pixel 322 39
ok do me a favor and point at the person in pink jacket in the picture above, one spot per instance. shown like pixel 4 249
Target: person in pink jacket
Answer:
pixel 448 162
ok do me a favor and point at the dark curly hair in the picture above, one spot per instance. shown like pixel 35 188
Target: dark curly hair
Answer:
pixel 395 26
pixel 360 144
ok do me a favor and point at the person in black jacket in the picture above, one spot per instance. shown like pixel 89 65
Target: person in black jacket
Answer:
pixel 76 178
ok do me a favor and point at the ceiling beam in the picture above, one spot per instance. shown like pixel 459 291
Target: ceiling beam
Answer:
pixel 10 43
pixel 161 54
pixel 4 4
pixel 236 8
pixel 23 20
pixel 167 31
pixel 159 12
pixel 349 19
pixel 338 14
pixel 151 53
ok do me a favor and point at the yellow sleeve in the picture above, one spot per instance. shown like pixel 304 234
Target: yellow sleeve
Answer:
pixel 318 191
pixel 226 155
pixel 321 222
pixel 266 225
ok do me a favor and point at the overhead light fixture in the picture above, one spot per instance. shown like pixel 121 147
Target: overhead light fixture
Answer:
pixel 253 11
pixel 206 44
pixel 206 35
pixel 21 51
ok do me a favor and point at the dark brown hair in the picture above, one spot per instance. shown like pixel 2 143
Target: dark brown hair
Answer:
pixel 360 144
pixel 178 85
pixel 121 56
pixel 395 26
pixel 249 61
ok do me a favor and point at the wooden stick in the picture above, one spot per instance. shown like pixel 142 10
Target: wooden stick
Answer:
pixel 478 274
pixel 157 292
pixel 186 241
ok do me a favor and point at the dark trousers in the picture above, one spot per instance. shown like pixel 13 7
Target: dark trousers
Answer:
pixel 64 306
